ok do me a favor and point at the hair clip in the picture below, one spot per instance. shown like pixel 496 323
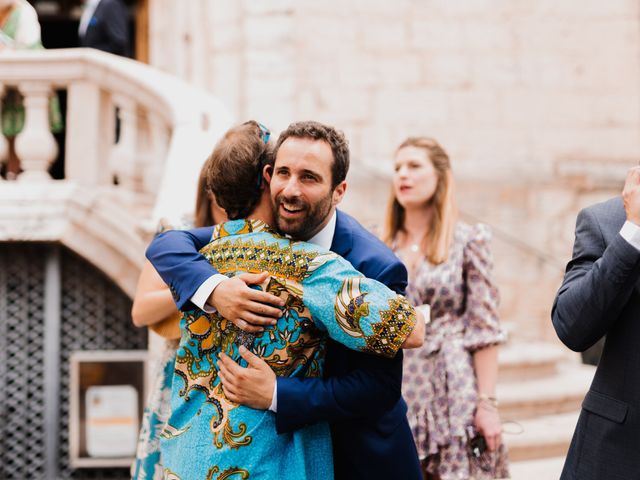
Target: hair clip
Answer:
pixel 265 134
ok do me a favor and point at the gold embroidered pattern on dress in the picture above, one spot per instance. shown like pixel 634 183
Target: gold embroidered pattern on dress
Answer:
pixel 231 473
pixel 350 307
pixel 395 326
pixel 231 256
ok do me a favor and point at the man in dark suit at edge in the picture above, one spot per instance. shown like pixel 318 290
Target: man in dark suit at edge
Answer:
pixel 360 395
pixel 600 296
pixel 104 26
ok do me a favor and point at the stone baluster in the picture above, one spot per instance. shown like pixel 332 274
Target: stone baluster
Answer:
pixel 4 145
pixel 124 155
pixel 156 150
pixel 35 145
pixel 90 133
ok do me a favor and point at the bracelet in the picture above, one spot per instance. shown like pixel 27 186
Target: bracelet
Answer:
pixel 487 399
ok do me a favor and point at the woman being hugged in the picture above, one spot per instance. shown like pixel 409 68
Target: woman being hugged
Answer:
pixel 154 307
pixel 449 384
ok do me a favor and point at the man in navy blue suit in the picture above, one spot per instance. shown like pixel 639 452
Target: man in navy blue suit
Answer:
pixel 360 395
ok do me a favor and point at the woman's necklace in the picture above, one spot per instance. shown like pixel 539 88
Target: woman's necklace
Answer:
pixel 411 255
pixel 413 243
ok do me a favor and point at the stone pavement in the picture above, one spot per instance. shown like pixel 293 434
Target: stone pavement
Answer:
pixel 542 469
pixel 541 388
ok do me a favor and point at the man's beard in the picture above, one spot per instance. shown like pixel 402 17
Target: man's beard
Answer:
pixel 312 216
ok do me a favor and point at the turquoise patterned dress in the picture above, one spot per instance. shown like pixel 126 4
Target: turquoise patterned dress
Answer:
pixel 148 462
pixel 210 437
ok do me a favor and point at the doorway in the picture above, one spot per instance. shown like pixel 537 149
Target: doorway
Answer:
pixel 59 20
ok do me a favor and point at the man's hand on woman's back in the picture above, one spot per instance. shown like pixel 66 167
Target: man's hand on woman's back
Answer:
pixel 249 309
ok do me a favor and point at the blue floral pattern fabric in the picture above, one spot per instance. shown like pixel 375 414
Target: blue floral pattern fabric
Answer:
pixel 148 463
pixel 210 437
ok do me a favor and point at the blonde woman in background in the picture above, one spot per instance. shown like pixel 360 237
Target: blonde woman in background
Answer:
pixel 153 306
pixel 449 384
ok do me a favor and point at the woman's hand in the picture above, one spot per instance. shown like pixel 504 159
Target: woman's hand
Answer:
pixel 488 424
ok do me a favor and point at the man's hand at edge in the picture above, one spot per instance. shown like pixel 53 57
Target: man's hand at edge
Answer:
pixel 631 195
pixel 251 386
pixel 416 337
pixel 249 309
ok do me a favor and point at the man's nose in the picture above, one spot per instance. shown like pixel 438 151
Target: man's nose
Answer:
pixel 291 188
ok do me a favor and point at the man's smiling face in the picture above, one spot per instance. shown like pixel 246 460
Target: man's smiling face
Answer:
pixel 301 187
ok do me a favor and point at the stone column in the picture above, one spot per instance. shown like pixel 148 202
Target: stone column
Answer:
pixel 156 148
pixel 123 156
pixel 35 145
pixel 88 135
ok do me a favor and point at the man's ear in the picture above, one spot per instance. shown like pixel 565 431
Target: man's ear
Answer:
pixel 267 171
pixel 338 192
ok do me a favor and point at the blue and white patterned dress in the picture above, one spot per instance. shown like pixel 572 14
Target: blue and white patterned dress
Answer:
pixel 148 462
pixel 210 437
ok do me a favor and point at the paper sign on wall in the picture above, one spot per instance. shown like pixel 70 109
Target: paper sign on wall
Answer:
pixel 111 420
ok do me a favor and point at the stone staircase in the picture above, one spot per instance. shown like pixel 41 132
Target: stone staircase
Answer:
pixel 541 388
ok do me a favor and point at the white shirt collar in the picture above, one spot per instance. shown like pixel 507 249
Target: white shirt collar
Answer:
pixel 87 14
pixel 324 238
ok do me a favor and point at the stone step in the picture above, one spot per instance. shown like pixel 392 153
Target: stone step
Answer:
pixel 541 437
pixel 560 393
pixel 532 359
pixel 543 469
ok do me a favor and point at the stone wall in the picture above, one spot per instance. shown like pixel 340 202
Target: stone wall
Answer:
pixel 510 88
pixel 537 102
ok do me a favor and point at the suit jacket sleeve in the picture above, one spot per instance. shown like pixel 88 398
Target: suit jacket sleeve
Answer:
pixel 174 254
pixel 365 392
pixel 369 390
pixel 597 284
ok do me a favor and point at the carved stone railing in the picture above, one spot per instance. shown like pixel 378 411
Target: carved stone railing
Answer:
pixel 113 191
pixel 167 127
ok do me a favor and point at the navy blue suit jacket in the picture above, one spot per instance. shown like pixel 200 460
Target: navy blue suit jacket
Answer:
pixel 360 395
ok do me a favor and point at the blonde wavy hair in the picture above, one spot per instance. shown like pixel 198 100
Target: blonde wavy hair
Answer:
pixel 437 241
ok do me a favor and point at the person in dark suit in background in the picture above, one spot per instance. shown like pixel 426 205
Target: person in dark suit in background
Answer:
pixel 360 395
pixel 600 295
pixel 104 26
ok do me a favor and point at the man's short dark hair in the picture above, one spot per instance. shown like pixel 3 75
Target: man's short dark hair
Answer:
pixel 318 131
pixel 234 169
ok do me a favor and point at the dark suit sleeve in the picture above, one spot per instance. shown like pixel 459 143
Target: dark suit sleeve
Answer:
pixel 369 390
pixel 366 392
pixel 597 285
pixel 116 28
pixel 174 254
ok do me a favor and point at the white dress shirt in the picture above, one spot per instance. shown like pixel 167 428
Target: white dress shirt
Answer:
pixel 87 14
pixel 631 233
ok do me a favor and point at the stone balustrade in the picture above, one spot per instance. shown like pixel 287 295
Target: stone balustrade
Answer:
pixel 166 126
pixel 114 189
